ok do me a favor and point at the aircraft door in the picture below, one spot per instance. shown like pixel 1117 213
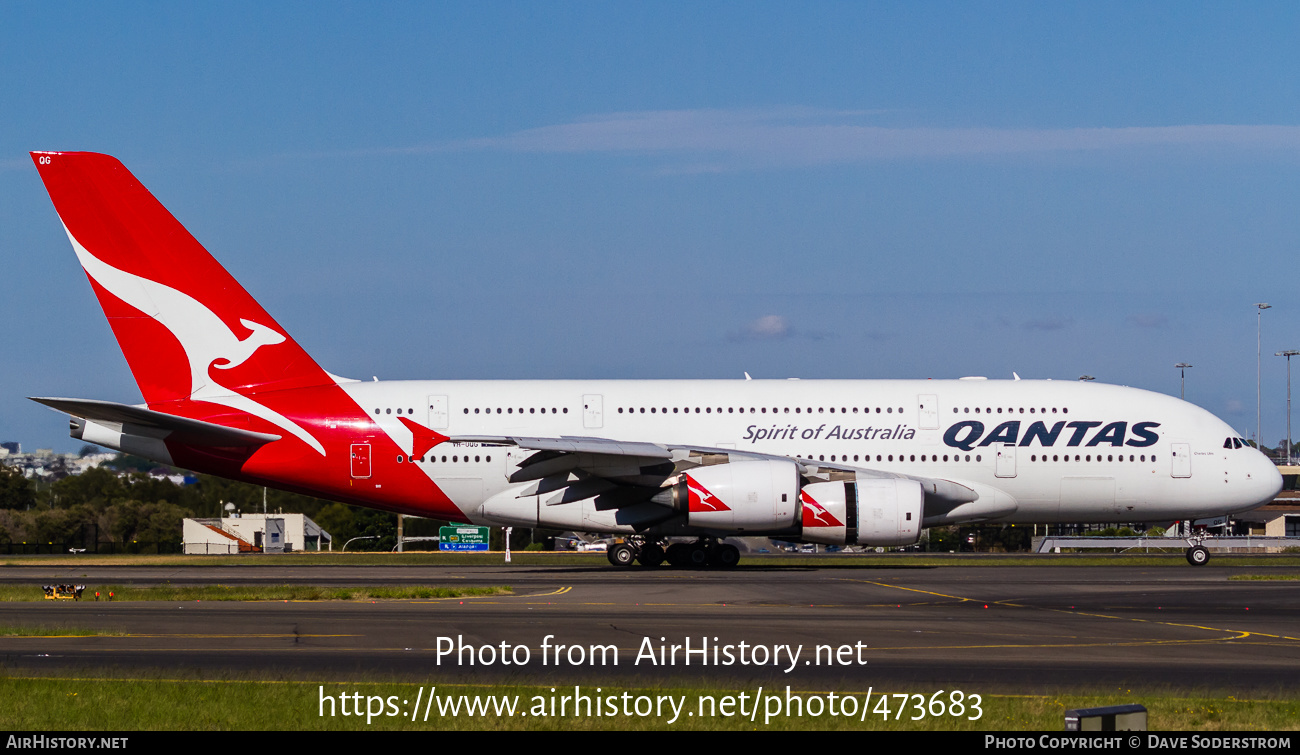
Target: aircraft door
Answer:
pixel 1006 460
pixel 1181 457
pixel 437 412
pixel 360 461
pixel 929 411
pixel 593 412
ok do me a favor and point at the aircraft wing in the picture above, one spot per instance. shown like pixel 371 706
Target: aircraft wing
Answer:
pixel 600 466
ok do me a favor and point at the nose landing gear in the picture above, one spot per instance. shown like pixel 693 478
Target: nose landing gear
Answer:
pixel 1197 554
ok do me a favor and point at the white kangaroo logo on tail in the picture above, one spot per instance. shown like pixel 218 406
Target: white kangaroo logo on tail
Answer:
pixel 207 341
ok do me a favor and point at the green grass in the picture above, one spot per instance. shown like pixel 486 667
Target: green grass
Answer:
pixel 1266 577
pixel 24 593
pixel 42 704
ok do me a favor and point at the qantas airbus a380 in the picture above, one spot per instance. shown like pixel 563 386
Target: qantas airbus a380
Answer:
pixel 870 462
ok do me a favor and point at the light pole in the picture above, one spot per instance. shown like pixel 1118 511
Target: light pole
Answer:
pixel 1182 379
pixel 1288 354
pixel 1259 324
pixel 363 537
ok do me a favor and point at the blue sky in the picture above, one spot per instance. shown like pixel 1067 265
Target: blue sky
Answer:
pixel 538 190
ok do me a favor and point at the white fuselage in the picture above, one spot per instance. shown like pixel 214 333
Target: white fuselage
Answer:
pixel 1036 450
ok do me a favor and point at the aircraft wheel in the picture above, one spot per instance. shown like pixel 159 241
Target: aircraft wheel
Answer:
pixel 698 556
pixel 621 555
pixel 1198 555
pixel 725 556
pixel 677 554
pixel 651 555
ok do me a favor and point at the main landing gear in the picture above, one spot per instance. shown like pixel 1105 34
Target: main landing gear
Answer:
pixel 705 552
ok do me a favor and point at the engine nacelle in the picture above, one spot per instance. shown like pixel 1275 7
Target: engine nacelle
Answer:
pixel 746 495
pixel 870 511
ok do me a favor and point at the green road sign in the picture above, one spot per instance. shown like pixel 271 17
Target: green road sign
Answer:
pixel 463 538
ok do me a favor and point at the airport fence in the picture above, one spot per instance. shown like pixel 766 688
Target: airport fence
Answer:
pixel 1229 543
pixel 78 546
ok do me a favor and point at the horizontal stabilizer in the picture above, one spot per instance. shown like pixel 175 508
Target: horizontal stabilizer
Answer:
pixel 182 429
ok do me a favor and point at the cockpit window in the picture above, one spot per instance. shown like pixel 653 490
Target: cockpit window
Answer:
pixel 1237 443
pixel 1227 442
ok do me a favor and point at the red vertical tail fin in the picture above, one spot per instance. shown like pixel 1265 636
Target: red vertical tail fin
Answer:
pixel 187 328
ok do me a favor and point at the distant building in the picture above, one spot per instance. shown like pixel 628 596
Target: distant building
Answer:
pixel 1281 517
pixel 11 447
pixel 255 533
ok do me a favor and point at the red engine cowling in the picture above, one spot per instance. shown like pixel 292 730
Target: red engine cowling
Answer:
pixel 748 495
pixel 871 511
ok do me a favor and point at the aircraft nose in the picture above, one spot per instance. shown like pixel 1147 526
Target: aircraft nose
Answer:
pixel 1266 479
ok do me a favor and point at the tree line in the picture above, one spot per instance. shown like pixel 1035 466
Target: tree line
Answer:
pixel 120 502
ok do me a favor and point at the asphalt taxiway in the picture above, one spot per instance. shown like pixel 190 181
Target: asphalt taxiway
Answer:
pixel 1009 627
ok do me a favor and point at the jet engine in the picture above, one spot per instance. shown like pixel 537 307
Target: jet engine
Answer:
pixel 746 495
pixel 868 511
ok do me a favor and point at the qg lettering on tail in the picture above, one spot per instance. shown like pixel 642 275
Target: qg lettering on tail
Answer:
pixel 969 434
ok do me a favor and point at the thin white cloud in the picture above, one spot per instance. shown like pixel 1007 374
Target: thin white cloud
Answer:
pixel 713 140
pixel 769 326
pixel 772 328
